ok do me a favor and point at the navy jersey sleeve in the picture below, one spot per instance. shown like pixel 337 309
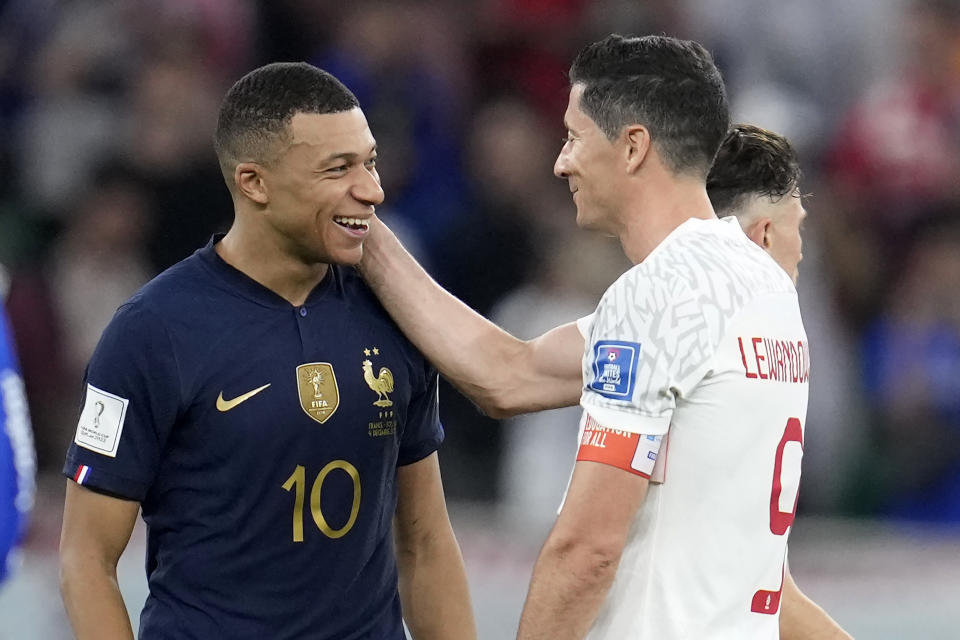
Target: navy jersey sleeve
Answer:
pixel 131 401
pixel 423 433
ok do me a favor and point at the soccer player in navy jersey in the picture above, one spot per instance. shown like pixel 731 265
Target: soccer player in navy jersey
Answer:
pixel 17 459
pixel 257 404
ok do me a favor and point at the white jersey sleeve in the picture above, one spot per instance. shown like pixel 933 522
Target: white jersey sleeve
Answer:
pixel 633 367
pixel 584 324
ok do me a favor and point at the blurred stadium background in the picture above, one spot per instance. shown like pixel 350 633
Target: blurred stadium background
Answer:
pixel 107 110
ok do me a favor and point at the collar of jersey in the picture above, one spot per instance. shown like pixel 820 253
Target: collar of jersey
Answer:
pixel 249 288
pixel 690 225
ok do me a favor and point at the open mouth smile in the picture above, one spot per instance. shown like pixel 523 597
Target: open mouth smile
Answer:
pixel 355 225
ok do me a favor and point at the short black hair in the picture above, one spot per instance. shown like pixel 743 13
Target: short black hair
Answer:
pixel 256 112
pixel 752 162
pixel 670 86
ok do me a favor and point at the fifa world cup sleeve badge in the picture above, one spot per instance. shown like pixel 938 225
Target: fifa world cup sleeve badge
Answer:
pixel 615 368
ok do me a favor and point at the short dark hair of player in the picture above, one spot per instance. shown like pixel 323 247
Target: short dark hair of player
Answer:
pixel 751 162
pixel 256 112
pixel 670 86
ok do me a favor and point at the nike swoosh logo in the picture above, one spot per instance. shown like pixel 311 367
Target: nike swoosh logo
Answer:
pixel 226 405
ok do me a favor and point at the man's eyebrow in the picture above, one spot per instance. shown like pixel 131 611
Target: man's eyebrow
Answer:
pixel 348 155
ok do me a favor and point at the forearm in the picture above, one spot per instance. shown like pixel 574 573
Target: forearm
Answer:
pixel 566 592
pixel 469 350
pixel 91 596
pixel 434 592
pixel 803 619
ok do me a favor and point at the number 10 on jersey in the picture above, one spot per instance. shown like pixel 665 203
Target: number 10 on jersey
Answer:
pixel 298 482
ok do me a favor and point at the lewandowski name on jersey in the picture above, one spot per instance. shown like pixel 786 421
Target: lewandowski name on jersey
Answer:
pixel 775 359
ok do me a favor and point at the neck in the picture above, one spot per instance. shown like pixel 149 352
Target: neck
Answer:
pixel 659 209
pixel 267 260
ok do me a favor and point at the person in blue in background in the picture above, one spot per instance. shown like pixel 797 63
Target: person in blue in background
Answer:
pixel 17 457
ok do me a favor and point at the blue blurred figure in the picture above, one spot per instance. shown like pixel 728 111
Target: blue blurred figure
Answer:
pixel 17 457
pixel 912 371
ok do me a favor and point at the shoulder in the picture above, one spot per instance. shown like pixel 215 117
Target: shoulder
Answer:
pixel 185 296
pixel 366 310
pixel 692 286
pixel 359 300
pixel 709 261
pixel 355 289
pixel 176 286
pixel 161 304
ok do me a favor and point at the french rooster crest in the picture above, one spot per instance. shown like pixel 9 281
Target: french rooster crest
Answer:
pixel 382 383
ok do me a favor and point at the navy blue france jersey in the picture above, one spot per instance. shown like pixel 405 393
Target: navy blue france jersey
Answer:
pixel 262 441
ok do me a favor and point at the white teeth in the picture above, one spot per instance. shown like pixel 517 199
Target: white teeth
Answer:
pixel 355 222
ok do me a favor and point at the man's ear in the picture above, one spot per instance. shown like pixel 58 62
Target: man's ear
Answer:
pixel 248 178
pixel 759 232
pixel 637 139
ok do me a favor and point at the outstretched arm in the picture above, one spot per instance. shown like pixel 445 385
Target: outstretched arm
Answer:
pixel 802 619
pixel 502 374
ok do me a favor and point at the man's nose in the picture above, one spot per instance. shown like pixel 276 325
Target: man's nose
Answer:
pixel 560 166
pixel 367 188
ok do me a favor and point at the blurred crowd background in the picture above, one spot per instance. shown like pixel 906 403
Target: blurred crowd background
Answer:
pixel 107 111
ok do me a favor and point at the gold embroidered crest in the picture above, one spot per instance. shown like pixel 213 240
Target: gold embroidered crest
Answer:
pixel 382 383
pixel 319 394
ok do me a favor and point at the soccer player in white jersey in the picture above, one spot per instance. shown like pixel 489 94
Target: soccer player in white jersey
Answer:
pixel 700 344
pixel 701 554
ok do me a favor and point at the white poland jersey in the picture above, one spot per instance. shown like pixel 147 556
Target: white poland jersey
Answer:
pixel 702 341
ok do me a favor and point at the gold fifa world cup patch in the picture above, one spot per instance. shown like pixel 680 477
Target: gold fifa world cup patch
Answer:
pixel 319 394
